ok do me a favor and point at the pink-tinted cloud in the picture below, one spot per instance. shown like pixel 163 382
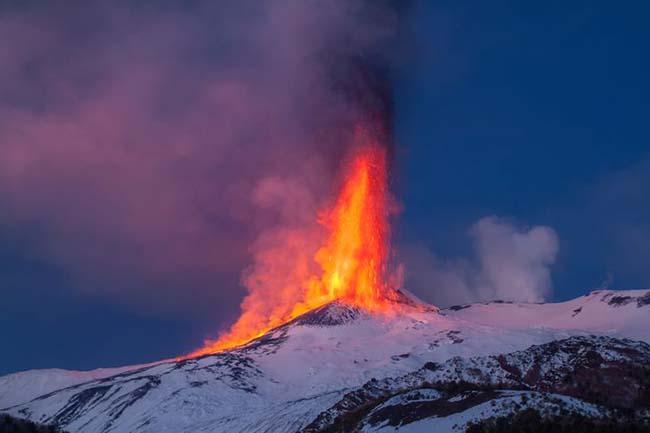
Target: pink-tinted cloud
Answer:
pixel 150 147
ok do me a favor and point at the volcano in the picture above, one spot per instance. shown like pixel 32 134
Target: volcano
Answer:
pixel 335 345
pixel 352 257
pixel 340 367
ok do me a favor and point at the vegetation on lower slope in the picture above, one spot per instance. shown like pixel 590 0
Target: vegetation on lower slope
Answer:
pixel 9 424
pixel 531 421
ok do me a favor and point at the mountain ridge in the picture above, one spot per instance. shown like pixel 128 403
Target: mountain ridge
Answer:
pixel 283 380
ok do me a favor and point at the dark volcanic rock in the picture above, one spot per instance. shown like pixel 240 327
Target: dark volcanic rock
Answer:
pixel 411 411
pixel 458 307
pixel 618 301
pixel 608 372
pixel 332 314
pixel 643 300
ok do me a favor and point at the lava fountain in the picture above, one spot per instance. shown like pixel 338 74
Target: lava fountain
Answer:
pixel 352 259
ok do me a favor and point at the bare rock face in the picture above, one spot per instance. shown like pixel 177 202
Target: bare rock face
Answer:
pixel 332 314
pixel 340 313
pixel 596 376
pixel 644 300
pixel 618 300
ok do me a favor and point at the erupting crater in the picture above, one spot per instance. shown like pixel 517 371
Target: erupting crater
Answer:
pixel 353 260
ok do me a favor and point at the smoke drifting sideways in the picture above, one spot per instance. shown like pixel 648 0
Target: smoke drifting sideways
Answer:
pixel 509 263
pixel 157 150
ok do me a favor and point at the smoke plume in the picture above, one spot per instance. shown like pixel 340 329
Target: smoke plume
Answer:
pixel 509 263
pixel 157 150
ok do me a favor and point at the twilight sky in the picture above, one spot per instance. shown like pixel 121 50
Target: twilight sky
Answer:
pixel 148 153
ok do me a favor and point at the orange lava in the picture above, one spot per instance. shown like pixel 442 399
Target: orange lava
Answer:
pixel 352 260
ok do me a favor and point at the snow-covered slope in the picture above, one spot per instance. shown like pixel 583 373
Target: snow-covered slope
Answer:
pixel 618 313
pixel 24 386
pixel 592 376
pixel 283 381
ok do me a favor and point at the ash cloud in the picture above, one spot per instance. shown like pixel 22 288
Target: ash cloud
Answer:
pixel 151 146
pixel 509 263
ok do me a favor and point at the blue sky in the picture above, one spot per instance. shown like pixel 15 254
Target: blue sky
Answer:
pixel 534 113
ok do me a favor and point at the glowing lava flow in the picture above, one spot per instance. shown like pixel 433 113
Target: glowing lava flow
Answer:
pixel 352 260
